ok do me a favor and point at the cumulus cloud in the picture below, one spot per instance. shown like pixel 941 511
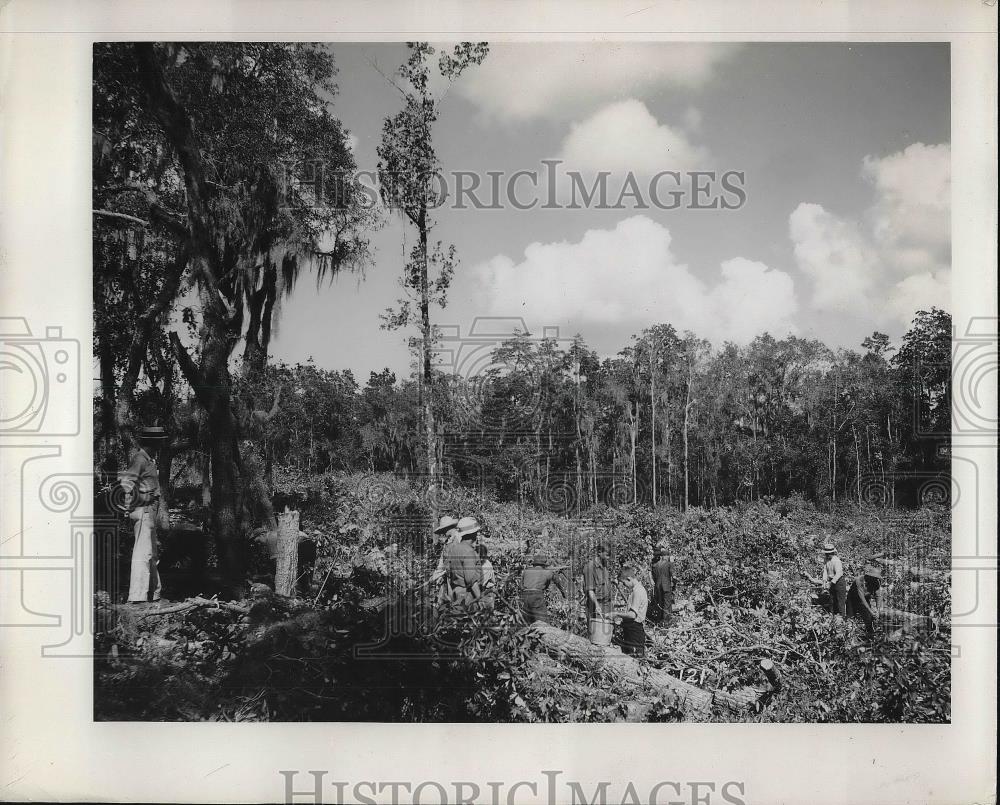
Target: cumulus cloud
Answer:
pixel 834 253
pixel 625 136
pixel 630 275
pixel 894 259
pixel 911 220
pixel 524 81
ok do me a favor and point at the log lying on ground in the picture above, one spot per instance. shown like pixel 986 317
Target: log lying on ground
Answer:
pixel 917 571
pixel 895 618
pixel 190 603
pixel 580 651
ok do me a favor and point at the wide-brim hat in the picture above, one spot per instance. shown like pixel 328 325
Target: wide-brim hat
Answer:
pixel 153 433
pixel 446 523
pixel 873 572
pixel 828 547
pixel 467 527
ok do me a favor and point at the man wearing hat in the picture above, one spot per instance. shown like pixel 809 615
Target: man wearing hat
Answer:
pixel 865 597
pixel 444 533
pixel 597 584
pixel 141 483
pixel 873 588
pixel 461 563
pixel 535 580
pixel 833 575
pixel 661 607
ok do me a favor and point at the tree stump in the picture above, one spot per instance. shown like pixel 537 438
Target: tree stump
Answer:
pixel 771 672
pixel 287 559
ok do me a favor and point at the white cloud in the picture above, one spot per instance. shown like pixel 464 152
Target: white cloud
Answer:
pixel 919 292
pixel 625 136
pixel 896 258
pixel 629 275
pixel 523 81
pixel 911 220
pixel 752 299
pixel 835 254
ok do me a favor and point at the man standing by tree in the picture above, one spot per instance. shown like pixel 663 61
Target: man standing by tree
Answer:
pixel 142 487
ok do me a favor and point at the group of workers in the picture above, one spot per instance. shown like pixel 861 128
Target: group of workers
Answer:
pixel 464 577
pixel 863 596
pixel 464 574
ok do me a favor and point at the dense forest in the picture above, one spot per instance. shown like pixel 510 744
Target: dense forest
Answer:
pixel 669 421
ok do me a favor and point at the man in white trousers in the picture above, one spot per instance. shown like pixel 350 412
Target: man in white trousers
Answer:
pixel 141 483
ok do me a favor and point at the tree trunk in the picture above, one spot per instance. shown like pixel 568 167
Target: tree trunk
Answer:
pixel 622 668
pixel 109 435
pixel 633 436
pixel 211 384
pixel 771 672
pixel 687 409
pixel 652 420
pixel 260 305
pixel 287 564
pixel 427 347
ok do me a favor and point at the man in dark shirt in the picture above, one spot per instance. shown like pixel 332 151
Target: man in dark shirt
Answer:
pixel 535 580
pixel 141 483
pixel 461 563
pixel 597 583
pixel 660 608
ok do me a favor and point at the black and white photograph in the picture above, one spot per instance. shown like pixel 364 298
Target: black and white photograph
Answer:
pixel 509 382
pixel 498 403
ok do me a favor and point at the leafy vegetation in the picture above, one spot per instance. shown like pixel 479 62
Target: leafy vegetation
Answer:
pixel 742 600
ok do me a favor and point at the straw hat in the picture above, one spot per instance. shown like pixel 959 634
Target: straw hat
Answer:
pixel 828 548
pixel 467 527
pixel 153 433
pixel 446 523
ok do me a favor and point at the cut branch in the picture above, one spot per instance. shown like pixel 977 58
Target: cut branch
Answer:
pixel 121 217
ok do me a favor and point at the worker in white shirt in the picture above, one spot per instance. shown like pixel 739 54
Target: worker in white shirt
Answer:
pixel 634 615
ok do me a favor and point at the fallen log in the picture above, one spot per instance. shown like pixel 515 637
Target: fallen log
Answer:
pixel 623 668
pixel 891 618
pixel 916 571
pixel 190 603
pixel 888 618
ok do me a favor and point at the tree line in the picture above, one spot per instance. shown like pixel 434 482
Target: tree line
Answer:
pixel 668 421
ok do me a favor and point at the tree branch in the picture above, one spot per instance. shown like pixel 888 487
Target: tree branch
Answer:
pixel 121 216
pixel 192 373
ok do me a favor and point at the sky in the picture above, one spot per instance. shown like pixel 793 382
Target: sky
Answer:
pixel 845 229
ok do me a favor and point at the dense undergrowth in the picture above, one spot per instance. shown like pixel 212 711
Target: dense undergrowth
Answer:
pixel 364 644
